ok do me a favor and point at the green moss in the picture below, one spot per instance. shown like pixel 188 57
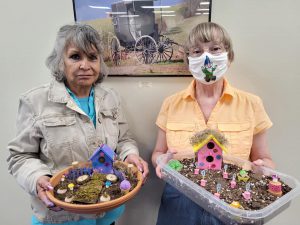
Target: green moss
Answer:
pixel 89 192
pixel 98 177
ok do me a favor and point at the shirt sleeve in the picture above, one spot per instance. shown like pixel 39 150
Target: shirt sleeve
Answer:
pixel 162 117
pixel 24 162
pixel 262 120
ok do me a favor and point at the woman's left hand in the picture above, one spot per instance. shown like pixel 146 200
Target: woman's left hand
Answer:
pixel 141 164
pixel 264 162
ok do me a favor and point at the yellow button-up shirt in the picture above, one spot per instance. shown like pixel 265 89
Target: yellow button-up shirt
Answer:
pixel 238 115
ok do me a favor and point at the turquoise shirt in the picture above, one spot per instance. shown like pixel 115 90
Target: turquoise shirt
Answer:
pixel 86 104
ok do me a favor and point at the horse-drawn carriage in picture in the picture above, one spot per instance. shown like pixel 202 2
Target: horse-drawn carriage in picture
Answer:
pixel 137 32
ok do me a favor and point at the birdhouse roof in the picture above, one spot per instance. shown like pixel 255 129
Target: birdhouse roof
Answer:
pixel 106 150
pixel 210 137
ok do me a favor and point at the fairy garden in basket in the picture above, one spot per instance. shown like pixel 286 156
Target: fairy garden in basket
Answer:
pixel 102 179
pixel 239 187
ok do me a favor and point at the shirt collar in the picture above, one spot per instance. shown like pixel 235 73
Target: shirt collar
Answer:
pixel 191 90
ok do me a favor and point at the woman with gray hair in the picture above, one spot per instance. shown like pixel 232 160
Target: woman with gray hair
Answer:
pixel 65 121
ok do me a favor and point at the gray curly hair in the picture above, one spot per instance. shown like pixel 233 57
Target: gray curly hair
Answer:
pixel 83 36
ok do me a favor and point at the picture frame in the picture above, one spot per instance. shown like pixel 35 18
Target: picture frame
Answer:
pixel 144 37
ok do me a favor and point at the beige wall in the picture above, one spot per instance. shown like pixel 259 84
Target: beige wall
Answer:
pixel 266 38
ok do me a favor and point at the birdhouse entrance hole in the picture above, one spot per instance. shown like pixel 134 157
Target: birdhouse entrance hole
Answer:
pixel 101 159
pixel 209 158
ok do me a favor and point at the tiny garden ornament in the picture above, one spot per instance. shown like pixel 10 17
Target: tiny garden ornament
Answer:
pixel 219 187
pixel 104 197
pixel 243 176
pixel 107 184
pixel 175 164
pixel 247 194
pixel 225 174
pixel 125 186
pixel 236 204
pixel 275 186
pixel 233 182
pixel 75 164
pixel 102 159
pixel 203 181
pixel 71 186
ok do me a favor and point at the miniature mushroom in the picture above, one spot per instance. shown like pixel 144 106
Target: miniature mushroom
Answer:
pixel 75 164
pixel 125 186
pixel 82 179
pixel 112 178
pixel 61 191
pixel 71 186
pixel 69 199
pixel 105 197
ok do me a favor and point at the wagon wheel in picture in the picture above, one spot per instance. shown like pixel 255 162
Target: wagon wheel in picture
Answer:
pixel 115 51
pixel 164 49
pixel 145 49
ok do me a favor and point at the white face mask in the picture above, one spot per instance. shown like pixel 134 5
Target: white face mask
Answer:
pixel 208 68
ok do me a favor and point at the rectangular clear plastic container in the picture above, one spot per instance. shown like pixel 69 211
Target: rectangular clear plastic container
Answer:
pixel 221 209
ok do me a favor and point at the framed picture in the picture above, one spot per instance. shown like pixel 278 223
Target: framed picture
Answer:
pixel 143 37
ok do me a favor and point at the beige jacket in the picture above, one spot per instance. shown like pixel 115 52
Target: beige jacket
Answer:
pixel 52 132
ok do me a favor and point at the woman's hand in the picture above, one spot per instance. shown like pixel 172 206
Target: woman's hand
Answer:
pixel 158 171
pixel 42 186
pixel 260 154
pixel 264 162
pixel 141 164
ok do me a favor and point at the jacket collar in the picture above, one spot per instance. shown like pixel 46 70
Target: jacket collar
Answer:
pixel 58 92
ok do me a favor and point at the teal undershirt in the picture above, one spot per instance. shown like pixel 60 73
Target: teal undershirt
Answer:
pixel 86 104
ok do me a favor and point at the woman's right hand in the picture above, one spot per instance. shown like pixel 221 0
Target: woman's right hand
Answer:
pixel 42 186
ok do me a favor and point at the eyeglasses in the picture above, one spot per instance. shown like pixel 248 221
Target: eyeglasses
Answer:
pixel 214 50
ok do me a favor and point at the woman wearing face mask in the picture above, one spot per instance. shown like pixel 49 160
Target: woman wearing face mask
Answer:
pixel 209 102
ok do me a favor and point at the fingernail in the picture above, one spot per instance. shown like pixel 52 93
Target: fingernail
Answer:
pixel 50 204
pixel 140 169
pixel 50 187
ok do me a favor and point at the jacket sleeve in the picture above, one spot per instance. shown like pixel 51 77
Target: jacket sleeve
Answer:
pixel 23 161
pixel 126 145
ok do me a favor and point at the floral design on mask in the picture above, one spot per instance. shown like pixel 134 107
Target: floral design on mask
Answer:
pixel 208 69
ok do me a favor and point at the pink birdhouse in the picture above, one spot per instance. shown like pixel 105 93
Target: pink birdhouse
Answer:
pixel 209 153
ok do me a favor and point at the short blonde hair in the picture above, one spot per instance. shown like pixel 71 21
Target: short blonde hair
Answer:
pixel 208 31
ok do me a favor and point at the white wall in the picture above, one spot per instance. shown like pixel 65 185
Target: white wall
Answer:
pixel 266 38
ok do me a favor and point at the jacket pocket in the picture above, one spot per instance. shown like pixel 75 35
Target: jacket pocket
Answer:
pixel 61 136
pixel 59 121
pixel 239 136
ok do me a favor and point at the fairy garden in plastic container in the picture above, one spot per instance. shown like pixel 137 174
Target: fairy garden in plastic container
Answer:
pixel 234 190
pixel 96 186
